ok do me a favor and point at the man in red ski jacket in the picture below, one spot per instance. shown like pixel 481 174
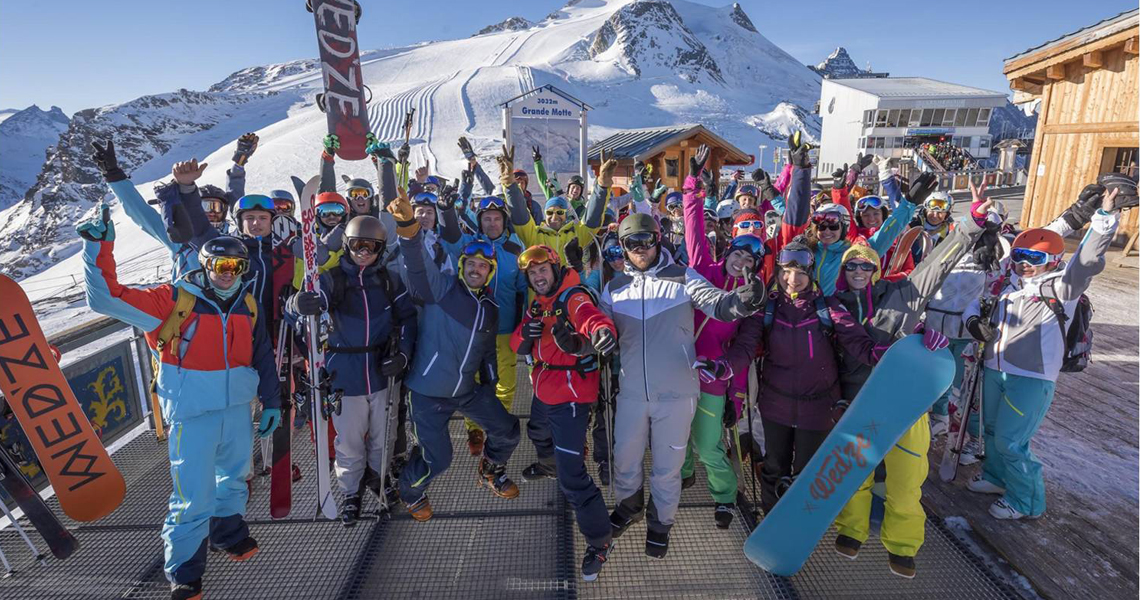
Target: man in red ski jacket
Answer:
pixel 562 331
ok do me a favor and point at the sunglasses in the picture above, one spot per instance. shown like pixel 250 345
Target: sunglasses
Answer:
pixel 536 255
pixel 827 226
pixel 750 224
pixel 613 253
pixel 227 265
pixel 795 259
pixel 359 193
pixel 363 245
pixel 331 209
pixel 853 266
pixel 1034 258
pixel 639 241
pixel 556 212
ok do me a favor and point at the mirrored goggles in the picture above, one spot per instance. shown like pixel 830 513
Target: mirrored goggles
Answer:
pixel 752 224
pixel 937 204
pixel 358 245
pixel 490 202
pixel 639 241
pixel 795 259
pixel 227 265
pixel 748 243
pixel 359 193
pixel 827 218
pixel 613 253
pixel 331 209
pixel 214 205
pixel 425 199
pixel 481 249
pixel 255 202
pixel 283 206
pixel 536 255
pixel 870 202
pixel 1034 258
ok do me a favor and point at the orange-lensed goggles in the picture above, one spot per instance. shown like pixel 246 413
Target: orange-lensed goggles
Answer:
pixel 536 255
pixel 227 265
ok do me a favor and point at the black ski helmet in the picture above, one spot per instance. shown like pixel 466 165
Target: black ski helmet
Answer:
pixel 638 223
pixel 223 246
pixel 360 183
pixel 578 181
pixel 211 191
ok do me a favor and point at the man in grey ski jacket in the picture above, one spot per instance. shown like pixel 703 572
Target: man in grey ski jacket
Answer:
pixel 652 305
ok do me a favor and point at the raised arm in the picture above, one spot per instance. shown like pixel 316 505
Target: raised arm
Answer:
pixel 422 274
pixel 852 337
pixel 1088 261
pixel 142 308
pixel 922 187
pixel 696 244
pixel 798 196
pixel 540 173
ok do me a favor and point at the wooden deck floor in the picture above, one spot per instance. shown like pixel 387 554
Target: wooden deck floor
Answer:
pixel 1086 544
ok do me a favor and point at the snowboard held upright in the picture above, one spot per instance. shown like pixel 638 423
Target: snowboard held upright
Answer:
pixel 904 384
pixel 343 100
pixel 86 482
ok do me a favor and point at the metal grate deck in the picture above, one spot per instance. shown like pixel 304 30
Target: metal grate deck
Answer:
pixel 477 546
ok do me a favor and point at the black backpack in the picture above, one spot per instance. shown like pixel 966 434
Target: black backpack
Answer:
pixel 1077 331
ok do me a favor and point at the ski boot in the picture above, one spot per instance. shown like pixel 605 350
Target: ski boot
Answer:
pixel 475 439
pixel 656 543
pixel 350 510
pixel 538 471
pixel 495 478
pixel 243 550
pixel 1001 509
pixel 620 521
pixel 594 560
pixel 847 547
pixel 980 485
pixel 903 566
pixel 420 509
pixel 970 451
pixel 688 482
pixel 186 591
pixel 723 515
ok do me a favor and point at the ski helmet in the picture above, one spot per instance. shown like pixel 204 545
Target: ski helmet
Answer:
pixel 281 195
pixel 674 200
pixel 540 254
pixel 330 203
pixel 749 243
pixel 366 228
pixel 939 201
pixel 487 203
pixel 478 248
pixel 250 202
pixel 1041 240
pixel 829 211
pixel 747 190
pixel 433 180
pixel 638 223
pixel 224 247
pixel 796 254
pixel 211 191
pixel 576 180
pixel 871 201
pixel 726 208
pixel 283 201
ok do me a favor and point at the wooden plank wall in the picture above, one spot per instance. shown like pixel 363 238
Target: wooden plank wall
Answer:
pixel 1089 110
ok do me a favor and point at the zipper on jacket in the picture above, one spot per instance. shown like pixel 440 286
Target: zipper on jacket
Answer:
pixel 811 347
pixel 367 333
pixel 470 342
pixel 644 349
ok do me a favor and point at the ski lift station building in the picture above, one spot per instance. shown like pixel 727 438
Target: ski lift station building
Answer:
pixel 890 116
pixel 667 150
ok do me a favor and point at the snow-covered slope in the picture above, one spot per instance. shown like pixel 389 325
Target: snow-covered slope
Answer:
pixel 7 112
pixel 638 63
pixel 24 137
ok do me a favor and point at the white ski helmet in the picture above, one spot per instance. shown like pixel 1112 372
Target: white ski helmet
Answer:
pixel 727 208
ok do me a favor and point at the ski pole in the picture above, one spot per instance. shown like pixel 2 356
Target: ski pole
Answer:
pixel 607 415
pixel 23 534
pixel 385 455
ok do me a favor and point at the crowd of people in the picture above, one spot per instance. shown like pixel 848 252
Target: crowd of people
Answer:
pixel 951 157
pixel 641 317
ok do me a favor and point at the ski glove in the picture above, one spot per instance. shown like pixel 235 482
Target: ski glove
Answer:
pixel 933 339
pixel 536 154
pixel 1126 189
pixel 606 171
pixel 406 224
pixel 604 341
pixel 981 329
pixel 246 146
pixel 465 147
pixel 99 229
pixel 532 330
pixel 731 412
pixel 107 162
pixel 394 365
pixel 1080 212
pixel 572 251
pixel 308 303
pixel 799 156
pixel 921 187
pixel 331 143
pixel 403 153
pixel 838 409
pixel 270 419
pixel 381 151
pixel 567 340
pixel 713 370
pixel 753 293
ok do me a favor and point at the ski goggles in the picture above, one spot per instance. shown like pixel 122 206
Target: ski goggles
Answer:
pixel 937 204
pixel 795 259
pixel 357 245
pixel 227 265
pixel 674 200
pixel 639 241
pixel 556 212
pixel 359 193
pixel 214 206
pixel 869 202
pixel 1030 257
pixel 750 224
pixel 480 249
pixel 331 209
pixel 255 202
pixel 536 255
pixel 425 199
pixel 613 253
pixel 491 203
pixel 827 221
pixel 283 206
pixel 748 243
pixel 857 265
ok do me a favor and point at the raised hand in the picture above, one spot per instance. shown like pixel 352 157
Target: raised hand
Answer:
pixel 448 195
pixel 422 174
pixel 403 153
pixel 98 229
pixel 107 162
pixel 606 170
pixel 331 143
pixel 536 153
pixel 698 160
pixel 465 147
pixel 187 172
pixel 921 187
pixel 246 146
pixel 506 160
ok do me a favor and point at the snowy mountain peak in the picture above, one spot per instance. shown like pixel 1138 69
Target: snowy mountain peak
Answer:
pixel 742 19
pixel 27 134
pixel 839 65
pixel 257 78
pixel 648 38
pixel 509 24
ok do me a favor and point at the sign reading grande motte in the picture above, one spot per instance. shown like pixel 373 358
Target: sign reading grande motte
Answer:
pixel 552 121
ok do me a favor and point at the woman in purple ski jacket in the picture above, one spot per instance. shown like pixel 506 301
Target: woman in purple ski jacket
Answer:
pixel 797 333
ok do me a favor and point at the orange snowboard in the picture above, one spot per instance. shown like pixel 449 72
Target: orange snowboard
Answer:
pixel 87 483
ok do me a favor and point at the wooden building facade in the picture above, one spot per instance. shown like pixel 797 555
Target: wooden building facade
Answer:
pixel 1087 123
pixel 667 150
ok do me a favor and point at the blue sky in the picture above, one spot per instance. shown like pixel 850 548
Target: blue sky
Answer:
pixel 80 54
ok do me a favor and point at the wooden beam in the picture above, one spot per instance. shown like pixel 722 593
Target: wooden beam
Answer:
pixel 1068 51
pixel 1093 60
pixel 1132 46
pixel 1120 127
pixel 1022 84
pixel 1055 72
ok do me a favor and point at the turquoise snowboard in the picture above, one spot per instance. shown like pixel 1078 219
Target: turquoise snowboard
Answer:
pixel 904 385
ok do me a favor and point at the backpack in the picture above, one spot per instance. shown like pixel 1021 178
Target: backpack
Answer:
pixel 821 311
pixel 171 328
pixel 1077 332
pixel 583 364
